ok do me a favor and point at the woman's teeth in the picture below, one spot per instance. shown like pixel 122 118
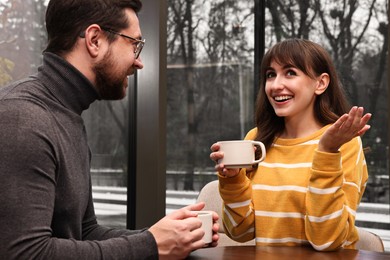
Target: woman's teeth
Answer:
pixel 282 98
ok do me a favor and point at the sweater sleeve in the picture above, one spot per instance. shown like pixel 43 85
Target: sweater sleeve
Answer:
pixel 28 193
pixel 335 189
pixel 238 215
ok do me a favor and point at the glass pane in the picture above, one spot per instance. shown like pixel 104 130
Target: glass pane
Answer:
pixel 22 38
pixel 210 85
pixel 107 124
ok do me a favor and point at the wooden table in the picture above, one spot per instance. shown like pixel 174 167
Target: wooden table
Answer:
pixel 280 253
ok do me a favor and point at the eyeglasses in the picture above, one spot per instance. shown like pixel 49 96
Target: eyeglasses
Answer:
pixel 138 47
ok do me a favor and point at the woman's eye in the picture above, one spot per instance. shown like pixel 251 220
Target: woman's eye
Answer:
pixel 291 73
pixel 269 74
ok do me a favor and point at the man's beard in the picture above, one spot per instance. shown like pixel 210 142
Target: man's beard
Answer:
pixel 110 83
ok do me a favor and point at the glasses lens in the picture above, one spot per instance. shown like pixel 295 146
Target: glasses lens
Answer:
pixel 138 49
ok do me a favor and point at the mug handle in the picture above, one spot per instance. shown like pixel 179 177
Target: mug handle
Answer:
pixel 262 151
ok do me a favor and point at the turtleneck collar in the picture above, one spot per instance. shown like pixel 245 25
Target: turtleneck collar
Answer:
pixel 66 83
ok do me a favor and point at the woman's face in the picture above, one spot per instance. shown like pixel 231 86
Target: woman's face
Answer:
pixel 290 91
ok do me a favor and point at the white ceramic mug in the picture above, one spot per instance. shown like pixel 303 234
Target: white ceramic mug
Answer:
pixel 207 225
pixel 240 153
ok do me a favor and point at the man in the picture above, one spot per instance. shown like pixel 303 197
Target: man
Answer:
pixel 46 200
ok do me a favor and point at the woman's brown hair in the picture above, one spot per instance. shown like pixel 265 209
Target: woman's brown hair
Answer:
pixel 313 60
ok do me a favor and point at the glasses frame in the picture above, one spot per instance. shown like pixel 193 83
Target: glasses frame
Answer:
pixel 140 43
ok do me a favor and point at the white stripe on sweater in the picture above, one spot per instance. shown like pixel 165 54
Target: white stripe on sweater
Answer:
pixel 280 240
pixel 226 211
pixel 230 217
pixel 310 142
pixel 250 230
pixel 333 215
pixel 239 204
pixel 285 165
pixel 360 151
pixel 279 188
pixel 321 247
pixel 323 191
pixel 351 211
pixel 352 184
pixel 279 214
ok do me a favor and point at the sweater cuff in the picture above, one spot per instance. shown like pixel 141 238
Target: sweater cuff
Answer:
pixel 145 246
pixel 328 162
pixel 239 178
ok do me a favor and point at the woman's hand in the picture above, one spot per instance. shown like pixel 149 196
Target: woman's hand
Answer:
pixel 347 127
pixel 216 155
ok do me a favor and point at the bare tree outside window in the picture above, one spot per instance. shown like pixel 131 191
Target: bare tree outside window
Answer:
pixel 210 57
pixel 22 38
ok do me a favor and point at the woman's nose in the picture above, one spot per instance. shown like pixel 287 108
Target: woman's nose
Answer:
pixel 277 83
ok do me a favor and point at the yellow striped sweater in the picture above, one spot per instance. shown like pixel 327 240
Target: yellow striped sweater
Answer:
pixel 297 195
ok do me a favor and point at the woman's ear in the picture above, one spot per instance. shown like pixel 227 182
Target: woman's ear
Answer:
pixel 93 39
pixel 322 84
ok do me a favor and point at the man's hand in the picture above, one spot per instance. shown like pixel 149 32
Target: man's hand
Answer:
pixel 180 233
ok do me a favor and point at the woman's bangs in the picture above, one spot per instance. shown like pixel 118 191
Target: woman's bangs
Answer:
pixel 288 54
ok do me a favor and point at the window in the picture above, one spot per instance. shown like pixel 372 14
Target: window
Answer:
pixel 212 81
pixel 210 96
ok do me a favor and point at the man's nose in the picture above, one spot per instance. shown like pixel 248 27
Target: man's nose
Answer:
pixel 138 63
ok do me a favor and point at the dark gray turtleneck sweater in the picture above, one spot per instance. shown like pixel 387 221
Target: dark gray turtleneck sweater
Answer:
pixel 46 208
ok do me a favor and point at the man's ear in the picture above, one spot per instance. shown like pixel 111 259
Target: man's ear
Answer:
pixel 93 39
pixel 322 84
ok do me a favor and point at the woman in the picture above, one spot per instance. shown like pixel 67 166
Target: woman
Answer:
pixel 308 188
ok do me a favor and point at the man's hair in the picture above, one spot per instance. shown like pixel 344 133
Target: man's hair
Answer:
pixel 66 20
